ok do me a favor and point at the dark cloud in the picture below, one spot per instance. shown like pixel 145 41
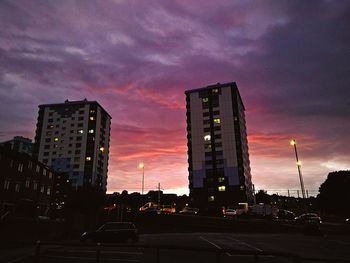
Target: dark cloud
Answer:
pixel 289 58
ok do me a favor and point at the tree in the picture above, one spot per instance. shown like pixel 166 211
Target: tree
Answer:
pixel 262 197
pixel 334 196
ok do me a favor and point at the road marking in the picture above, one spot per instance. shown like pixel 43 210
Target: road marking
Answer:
pixel 245 244
pixel 94 259
pixel 19 259
pixel 102 252
pixel 212 243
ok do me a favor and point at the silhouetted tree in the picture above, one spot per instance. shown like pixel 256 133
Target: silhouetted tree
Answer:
pixel 334 196
pixel 262 197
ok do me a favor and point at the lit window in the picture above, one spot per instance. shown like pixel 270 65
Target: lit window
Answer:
pixel 207 137
pixel 102 149
pixel 80 131
pixel 222 188
pixel 88 158
pixel 35 186
pixel 221 179
pixel 50 175
pixel 48 191
pixel 91 131
pixel 42 189
pixel 241 187
pixel 92 111
pixel 44 171
pixel 205 99
pixel 56 139
pixel 211 198
pixel 37 168
pixel 217 120
pixel 27 183
pixel 20 167
pixel 215 90
pixel 7 184
pixel 30 164
pixel 17 187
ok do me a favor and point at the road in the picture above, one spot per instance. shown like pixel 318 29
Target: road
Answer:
pixel 305 246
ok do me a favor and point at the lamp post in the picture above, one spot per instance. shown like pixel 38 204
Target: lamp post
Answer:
pixel 294 143
pixel 142 166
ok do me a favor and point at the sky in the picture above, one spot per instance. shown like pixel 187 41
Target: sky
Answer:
pixel 290 60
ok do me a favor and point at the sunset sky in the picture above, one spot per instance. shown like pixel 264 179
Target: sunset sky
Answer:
pixel 290 60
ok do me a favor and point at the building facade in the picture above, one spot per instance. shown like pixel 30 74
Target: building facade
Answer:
pixel 26 185
pixel 73 138
pixel 19 144
pixel 218 159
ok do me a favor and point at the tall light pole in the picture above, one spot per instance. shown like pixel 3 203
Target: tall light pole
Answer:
pixel 142 166
pixel 294 143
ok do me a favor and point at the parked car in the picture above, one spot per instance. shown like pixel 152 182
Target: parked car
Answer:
pixel 308 218
pixel 113 232
pixel 152 211
pixel 285 214
pixel 189 211
pixel 229 212
pixel 167 209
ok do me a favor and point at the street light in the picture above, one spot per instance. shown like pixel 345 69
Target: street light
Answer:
pixel 142 166
pixel 294 143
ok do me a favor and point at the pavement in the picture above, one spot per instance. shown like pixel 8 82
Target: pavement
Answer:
pixel 326 247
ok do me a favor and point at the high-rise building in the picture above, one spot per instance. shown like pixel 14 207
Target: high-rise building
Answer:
pixel 218 159
pixel 19 144
pixel 73 138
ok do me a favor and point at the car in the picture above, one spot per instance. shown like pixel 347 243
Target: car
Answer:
pixel 152 211
pixel 285 214
pixel 308 218
pixel 167 209
pixel 113 232
pixel 230 212
pixel 189 211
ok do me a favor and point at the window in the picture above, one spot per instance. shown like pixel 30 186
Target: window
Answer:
pixel 88 158
pixel 47 146
pixel 7 184
pixel 76 166
pixel 27 183
pixel 80 125
pixel 48 191
pixel 205 99
pixel 78 145
pixel 221 179
pixel 207 137
pixel 35 186
pixel 17 187
pixel 48 133
pixel 102 149
pixel 92 111
pixel 77 151
pixel 80 118
pixel 50 175
pixel 76 159
pixel 46 153
pixel 211 198
pixel 11 163
pixel 91 118
pixel 222 188
pixel 20 167
pixel 45 161
pixel 44 172
pixel 80 131
pixel 241 187
pixel 37 169
pixel 217 120
pixel 56 139
pixel 215 90
pixel 42 189
pixel 30 165
pixel 81 112
pixel 91 131
pixel 79 138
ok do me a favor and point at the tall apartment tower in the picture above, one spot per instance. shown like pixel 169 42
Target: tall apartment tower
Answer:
pixel 73 138
pixel 218 159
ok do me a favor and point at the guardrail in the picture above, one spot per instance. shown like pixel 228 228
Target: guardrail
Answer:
pixel 256 255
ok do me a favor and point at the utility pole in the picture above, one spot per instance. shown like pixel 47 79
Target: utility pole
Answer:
pixel 159 195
